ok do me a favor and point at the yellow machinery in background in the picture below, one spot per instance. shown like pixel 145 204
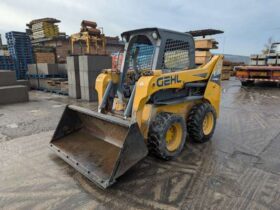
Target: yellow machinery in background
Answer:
pixel 93 38
pixel 150 105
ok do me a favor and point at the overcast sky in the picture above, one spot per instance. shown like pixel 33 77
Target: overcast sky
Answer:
pixel 248 24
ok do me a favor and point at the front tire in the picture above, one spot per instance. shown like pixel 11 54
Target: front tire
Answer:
pixel 167 135
pixel 201 122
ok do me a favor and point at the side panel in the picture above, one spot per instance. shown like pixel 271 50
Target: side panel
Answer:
pixel 148 85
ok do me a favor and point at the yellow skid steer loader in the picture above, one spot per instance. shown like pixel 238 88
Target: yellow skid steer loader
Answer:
pixel 150 105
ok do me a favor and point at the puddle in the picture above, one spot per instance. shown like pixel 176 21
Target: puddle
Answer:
pixel 13 125
pixel 35 111
pixel 38 112
pixel 57 105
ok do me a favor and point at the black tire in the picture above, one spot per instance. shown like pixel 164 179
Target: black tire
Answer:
pixel 247 82
pixel 195 122
pixel 157 135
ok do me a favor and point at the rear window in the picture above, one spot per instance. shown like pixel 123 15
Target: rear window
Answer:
pixel 176 55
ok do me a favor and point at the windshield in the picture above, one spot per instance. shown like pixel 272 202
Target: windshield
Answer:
pixel 140 54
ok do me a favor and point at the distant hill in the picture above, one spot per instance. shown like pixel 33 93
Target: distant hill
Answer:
pixel 237 58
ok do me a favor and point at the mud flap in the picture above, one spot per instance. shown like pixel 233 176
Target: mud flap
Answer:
pixel 99 146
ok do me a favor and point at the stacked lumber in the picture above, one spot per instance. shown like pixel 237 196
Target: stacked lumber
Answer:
pixel 273 59
pixel 44 28
pixel 226 70
pixel 202 57
pixel 202 50
pixel 258 60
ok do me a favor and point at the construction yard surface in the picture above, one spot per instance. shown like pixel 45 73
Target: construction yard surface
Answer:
pixel 238 169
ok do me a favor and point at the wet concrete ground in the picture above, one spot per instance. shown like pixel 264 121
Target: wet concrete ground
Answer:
pixel 238 169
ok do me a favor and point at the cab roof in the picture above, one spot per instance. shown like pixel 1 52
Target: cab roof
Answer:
pixel 161 32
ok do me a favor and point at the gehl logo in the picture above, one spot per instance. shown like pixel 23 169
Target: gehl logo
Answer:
pixel 168 80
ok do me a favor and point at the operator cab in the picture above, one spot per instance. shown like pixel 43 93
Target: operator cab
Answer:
pixel 153 49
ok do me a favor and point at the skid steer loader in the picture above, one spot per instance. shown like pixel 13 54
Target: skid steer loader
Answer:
pixel 156 99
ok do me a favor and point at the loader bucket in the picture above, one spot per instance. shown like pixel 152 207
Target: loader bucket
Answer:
pixel 99 146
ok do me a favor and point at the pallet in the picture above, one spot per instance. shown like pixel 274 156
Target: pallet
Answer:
pixel 21 66
pixel 18 38
pixel 3 67
pixel 11 40
pixel 59 92
pixel 12 45
pixel 46 76
pixel 21 54
pixel 23 58
pixel 19 45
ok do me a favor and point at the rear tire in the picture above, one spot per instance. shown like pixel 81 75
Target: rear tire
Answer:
pixel 167 135
pixel 201 122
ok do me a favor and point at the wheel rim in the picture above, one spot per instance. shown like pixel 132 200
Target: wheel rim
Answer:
pixel 208 123
pixel 173 137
